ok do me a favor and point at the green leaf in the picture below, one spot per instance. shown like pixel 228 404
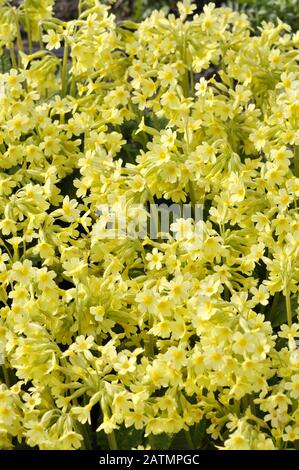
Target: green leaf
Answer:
pixel 161 441
pixel 278 314
pixel 129 438
pixel 4 63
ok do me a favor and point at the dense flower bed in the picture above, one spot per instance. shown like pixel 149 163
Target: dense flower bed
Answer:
pixel 183 340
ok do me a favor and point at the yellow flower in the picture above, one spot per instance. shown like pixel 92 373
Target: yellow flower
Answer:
pixel 168 76
pixel 52 39
pixel 45 278
pixel 146 301
pixel 260 295
pixel 154 333
pixel 22 272
pixel 154 259
pixel 125 364
pixel 293 386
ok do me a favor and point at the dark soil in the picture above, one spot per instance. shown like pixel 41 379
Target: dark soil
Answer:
pixel 68 9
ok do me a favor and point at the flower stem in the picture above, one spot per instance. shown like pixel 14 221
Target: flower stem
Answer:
pixel 288 307
pixel 73 86
pixel 28 27
pixel 112 441
pixel 40 37
pixel 6 376
pixel 296 160
pixel 192 198
pixel 149 345
pixel 138 9
pixel 64 70
pixel 86 436
pixel 189 440
pixel 274 304
pixel 153 212
pixel 13 57
pixel 19 38
pixel 151 442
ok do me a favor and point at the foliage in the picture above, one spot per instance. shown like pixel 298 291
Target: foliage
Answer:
pixel 139 9
pixel 269 10
pixel 184 340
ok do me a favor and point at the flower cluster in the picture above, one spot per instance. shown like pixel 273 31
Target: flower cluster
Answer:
pixel 194 333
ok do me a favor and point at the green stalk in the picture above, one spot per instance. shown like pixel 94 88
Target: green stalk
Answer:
pixel 40 37
pixel 274 304
pixel 13 57
pixel 296 160
pixel 153 210
pixel 6 376
pixel 138 9
pixel 189 440
pixel 149 346
pixel 73 86
pixel 64 70
pixel 27 21
pixel 112 441
pixel 149 341
pixel 192 197
pixel 19 38
pixel 191 82
pixel 245 403
pixel 288 307
pixel 151 442
pixel 192 193
pixel 86 436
